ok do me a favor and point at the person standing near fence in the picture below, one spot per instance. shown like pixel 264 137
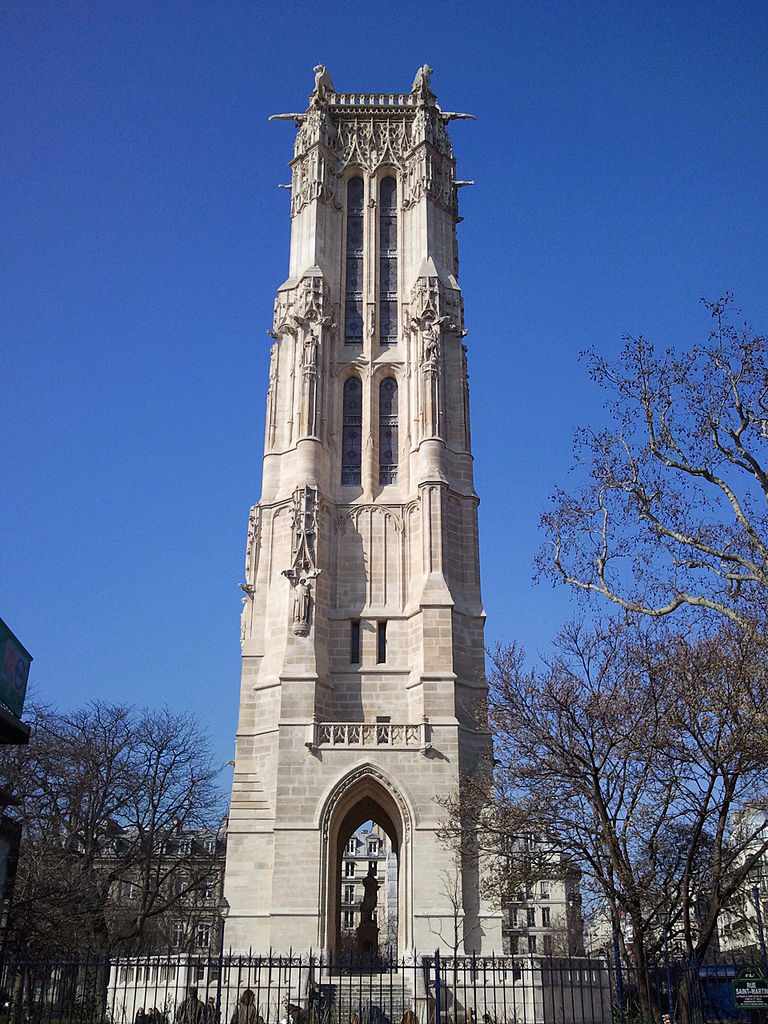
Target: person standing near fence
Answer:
pixel 246 1010
pixel 190 1010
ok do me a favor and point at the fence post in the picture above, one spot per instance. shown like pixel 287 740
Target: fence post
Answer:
pixel 619 978
pixel 438 1010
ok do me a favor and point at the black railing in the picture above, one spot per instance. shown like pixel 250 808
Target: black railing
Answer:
pixel 310 989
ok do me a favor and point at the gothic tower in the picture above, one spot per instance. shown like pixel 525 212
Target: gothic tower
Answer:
pixel 362 622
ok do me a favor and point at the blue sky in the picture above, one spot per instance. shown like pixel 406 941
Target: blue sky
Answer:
pixel 620 157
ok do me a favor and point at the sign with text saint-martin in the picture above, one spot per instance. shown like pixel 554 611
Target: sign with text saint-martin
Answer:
pixel 750 987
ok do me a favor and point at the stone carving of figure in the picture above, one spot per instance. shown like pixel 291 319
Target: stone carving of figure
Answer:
pixel 248 592
pixel 323 84
pixel 253 517
pixel 301 604
pixel 309 358
pixel 370 897
pixel 432 343
pixel 420 85
pixel 431 351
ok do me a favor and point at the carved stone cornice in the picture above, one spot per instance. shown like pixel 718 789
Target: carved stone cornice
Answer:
pixel 306 305
pixel 405 131
pixel 432 300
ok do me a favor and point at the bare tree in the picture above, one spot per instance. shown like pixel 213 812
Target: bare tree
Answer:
pixel 102 792
pixel 450 930
pixel 673 511
pixel 639 756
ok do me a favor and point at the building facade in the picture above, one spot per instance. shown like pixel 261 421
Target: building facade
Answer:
pixel 362 624
pixel 177 893
pixel 741 922
pixel 546 918
pixel 369 849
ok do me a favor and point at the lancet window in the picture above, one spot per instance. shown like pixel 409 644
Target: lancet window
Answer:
pixel 388 261
pixel 353 309
pixel 388 439
pixel 352 430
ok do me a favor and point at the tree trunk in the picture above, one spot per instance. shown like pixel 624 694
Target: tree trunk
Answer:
pixel 646 1003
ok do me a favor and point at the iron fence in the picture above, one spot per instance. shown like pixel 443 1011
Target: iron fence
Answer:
pixel 178 988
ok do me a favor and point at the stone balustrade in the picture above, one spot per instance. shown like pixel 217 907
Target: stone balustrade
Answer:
pixel 372 99
pixel 370 734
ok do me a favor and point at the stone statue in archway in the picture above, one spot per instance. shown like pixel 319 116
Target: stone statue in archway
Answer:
pixel 368 930
pixel 371 891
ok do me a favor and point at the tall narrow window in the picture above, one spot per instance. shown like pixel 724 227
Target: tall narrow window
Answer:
pixel 354 659
pixel 381 643
pixel 388 440
pixel 353 313
pixel 388 262
pixel 352 431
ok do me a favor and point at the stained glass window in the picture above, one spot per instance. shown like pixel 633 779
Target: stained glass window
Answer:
pixel 352 431
pixel 388 261
pixel 388 439
pixel 353 313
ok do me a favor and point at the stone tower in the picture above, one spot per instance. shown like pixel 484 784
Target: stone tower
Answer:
pixel 362 622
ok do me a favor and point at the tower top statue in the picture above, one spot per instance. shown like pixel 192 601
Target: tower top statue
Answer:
pixel 421 84
pixel 323 85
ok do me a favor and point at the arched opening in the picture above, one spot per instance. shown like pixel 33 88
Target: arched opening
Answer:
pixel 351 430
pixel 366 867
pixel 388 261
pixel 353 304
pixel 388 439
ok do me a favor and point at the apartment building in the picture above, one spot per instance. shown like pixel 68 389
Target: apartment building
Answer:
pixel 369 847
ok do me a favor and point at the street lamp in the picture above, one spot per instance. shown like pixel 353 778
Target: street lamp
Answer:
pixel 223 912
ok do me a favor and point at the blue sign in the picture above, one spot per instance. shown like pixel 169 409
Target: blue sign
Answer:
pixel 15 661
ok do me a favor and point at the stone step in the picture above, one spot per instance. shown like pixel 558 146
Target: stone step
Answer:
pixel 374 998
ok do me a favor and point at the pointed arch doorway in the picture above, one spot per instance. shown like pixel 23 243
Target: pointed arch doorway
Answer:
pixel 365 794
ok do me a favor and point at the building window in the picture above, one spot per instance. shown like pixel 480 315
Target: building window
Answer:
pixel 373 867
pixel 513 945
pixel 513 919
pixel 373 847
pixel 354 646
pixel 177 936
pixel 349 918
pixel 352 431
pixel 381 643
pixel 388 261
pixel 548 944
pixel 545 917
pixel 353 310
pixel 531 943
pixel 352 845
pixel 388 439
pixel 203 935
pixel 545 890
pixel 349 894
pixel 531 914
pixel 349 869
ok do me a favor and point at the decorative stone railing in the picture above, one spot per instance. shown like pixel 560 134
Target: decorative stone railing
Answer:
pixel 373 99
pixel 366 735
